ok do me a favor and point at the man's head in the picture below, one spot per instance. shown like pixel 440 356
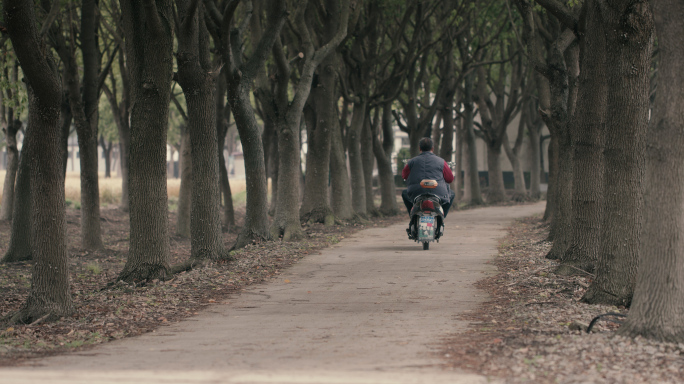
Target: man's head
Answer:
pixel 425 144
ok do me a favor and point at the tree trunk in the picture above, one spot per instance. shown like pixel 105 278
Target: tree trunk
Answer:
pixel 629 41
pixel 256 217
pixel 437 132
pixel 383 157
pixel 12 166
pixel 315 206
pixel 341 198
pixel 107 152
pixel 535 155
pixel 562 195
pixel 358 184
pixel 196 77
pixel 19 248
pixel 368 159
pixel 519 188
pixel 149 47
pixel 659 296
pixel 496 192
pixel 49 295
pixel 513 154
pixel 65 120
pixel 286 221
pixel 91 232
pixel 588 125
pixel 222 117
pixel 473 174
pixel 185 193
pixel 563 74
pixel 458 183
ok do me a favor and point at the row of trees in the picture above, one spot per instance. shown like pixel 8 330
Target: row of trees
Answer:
pixel 346 71
pixel 616 203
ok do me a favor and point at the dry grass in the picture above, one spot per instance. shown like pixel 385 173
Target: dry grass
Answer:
pixel 110 188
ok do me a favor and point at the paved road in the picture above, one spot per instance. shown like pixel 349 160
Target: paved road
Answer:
pixel 371 309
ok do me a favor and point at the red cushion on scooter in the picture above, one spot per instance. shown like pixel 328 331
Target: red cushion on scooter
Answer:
pixel 427 205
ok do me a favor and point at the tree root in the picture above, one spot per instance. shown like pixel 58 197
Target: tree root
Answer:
pixel 574 269
pixel 15 257
pixel 144 274
pixel 33 313
pixel 247 237
pixel 318 215
pixel 595 295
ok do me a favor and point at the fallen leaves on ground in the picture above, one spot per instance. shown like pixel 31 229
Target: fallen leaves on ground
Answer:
pixel 532 329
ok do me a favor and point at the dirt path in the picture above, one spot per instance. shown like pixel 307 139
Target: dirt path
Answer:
pixel 371 309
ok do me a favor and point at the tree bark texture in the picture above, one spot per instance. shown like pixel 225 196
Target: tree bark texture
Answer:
pixel 222 116
pixel 368 159
pixel 83 99
pixel 588 125
pixel 383 157
pixel 358 181
pixel 12 167
pixel 657 311
pixel 496 191
pixel 340 188
pixel 513 154
pixel 49 295
pixel 315 206
pixel 239 79
pixel 473 179
pixel 256 217
pixel 149 41
pixel 91 232
pixel 65 120
pixel 562 72
pixel 197 78
pixel 629 41
pixel 19 248
pixel 185 193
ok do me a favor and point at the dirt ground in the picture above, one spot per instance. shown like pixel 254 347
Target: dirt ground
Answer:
pixel 108 313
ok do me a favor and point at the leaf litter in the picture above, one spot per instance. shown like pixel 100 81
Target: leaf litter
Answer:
pixel 533 329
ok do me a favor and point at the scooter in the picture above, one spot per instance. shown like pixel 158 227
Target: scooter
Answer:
pixel 427 217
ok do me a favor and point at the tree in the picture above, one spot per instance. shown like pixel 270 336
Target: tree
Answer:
pixel 322 101
pixel 340 186
pixel 148 27
pixel 658 298
pixel 495 115
pixel 557 90
pixel 240 76
pixel 588 124
pixel 382 148
pixel 629 42
pixel 287 122
pixel 184 213
pixel 222 126
pixel 84 98
pixel 197 77
pixel 10 126
pixel 49 295
pixel 119 99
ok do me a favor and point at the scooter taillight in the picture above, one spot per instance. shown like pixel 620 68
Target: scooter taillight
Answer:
pixel 427 205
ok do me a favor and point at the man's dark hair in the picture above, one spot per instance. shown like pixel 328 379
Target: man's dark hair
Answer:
pixel 425 144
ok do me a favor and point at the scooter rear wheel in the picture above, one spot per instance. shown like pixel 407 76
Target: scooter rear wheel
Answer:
pixel 426 245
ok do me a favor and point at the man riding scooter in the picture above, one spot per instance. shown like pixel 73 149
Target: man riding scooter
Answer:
pixel 427 166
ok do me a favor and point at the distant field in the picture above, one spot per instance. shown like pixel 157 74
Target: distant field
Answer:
pixel 110 188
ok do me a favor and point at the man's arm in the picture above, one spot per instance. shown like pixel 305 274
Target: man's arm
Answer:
pixel 405 172
pixel 446 171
